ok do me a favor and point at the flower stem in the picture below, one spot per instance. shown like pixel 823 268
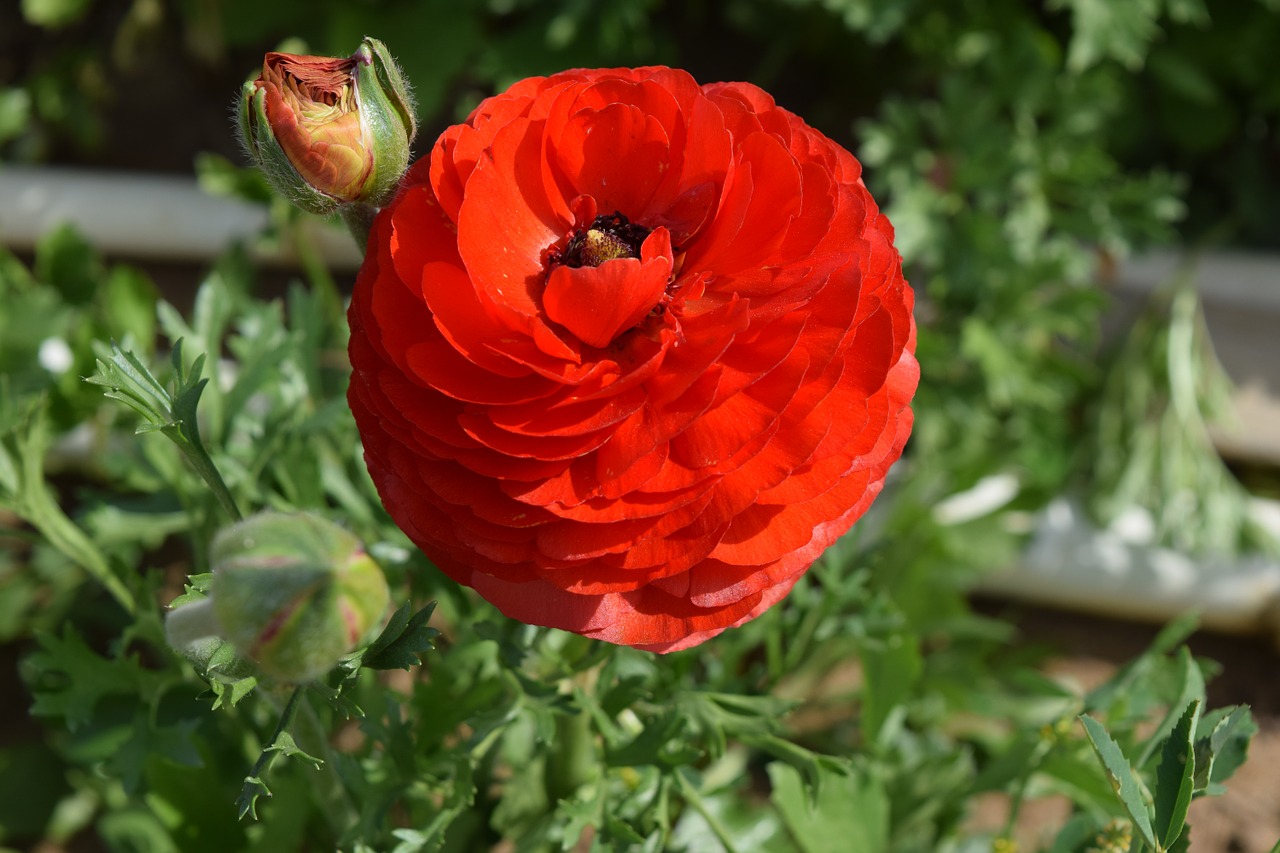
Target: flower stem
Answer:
pixel 359 221
pixel 340 811
pixel 199 458
pixel 253 782
pixel 694 799
pixel 573 763
pixel 37 503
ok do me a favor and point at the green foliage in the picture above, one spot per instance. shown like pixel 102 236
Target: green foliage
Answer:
pixel 832 719
pixel 1151 450
pixel 1009 145
pixel 402 642
pixel 841 812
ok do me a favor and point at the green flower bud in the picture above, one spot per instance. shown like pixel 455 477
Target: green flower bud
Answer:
pixel 328 132
pixel 291 592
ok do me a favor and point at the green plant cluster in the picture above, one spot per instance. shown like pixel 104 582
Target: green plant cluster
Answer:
pixel 870 711
pixel 872 708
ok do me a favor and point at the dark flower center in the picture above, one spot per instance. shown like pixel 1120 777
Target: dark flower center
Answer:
pixel 608 238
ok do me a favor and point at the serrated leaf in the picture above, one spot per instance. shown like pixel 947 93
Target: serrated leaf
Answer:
pixel 402 642
pixel 337 698
pixel 1223 749
pixel 1121 777
pixel 247 802
pixel 196 589
pixel 229 693
pixel 288 747
pixel 68 678
pixel 619 831
pixel 1175 776
pixel 128 381
pixel 172 413
pixel 460 797
pixel 576 815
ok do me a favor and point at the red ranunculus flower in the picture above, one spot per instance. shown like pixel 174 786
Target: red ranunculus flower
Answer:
pixel 630 352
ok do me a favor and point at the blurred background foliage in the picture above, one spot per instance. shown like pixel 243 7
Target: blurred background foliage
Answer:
pixel 1021 149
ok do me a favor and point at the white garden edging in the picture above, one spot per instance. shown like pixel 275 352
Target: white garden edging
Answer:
pixel 1115 571
pixel 146 216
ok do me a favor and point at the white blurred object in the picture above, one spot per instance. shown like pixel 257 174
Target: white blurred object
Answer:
pixel 141 215
pixel 987 495
pixel 1072 563
pixel 55 356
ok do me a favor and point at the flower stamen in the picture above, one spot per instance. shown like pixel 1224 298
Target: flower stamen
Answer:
pixel 608 238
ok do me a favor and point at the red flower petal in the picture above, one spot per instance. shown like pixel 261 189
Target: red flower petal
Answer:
pixel 651 449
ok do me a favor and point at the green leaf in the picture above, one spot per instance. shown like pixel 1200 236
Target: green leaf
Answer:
pixel 247 802
pixel 1191 689
pixel 219 176
pixel 173 413
pixel 175 743
pixel 1121 686
pixel 229 693
pixel 129 301
pixel 196 589
pixel 1121 776
pixel 288 747
pixel 1221 746
pixel 68 678
pixel 402 642
pixel 650 746
pixel 1175 776
pixel 1103 29
pixel 65 260
pixel 15 112
pixel 135 828
pixel 891 669
pixel 129 381
pixel 24 489
pixel 847 813
pixel 578 814
pixel 459 797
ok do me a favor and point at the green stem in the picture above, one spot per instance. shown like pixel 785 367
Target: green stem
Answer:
pixel 1019 795
pixel 195 453
pixel 574 761
pixel 341 810
pixel 318 273
pixel 359 221
pixel 38 505
pixel 694 799
pixel 245 804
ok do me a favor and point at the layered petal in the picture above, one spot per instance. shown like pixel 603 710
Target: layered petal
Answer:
pixel 629 353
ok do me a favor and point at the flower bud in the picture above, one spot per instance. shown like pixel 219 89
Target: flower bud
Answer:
pixel 328 132
pixel 294 593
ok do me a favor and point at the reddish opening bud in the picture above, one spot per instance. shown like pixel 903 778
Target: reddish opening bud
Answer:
pixel 327 131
